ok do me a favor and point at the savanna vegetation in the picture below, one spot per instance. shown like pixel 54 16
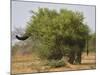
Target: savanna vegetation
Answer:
pixel 55 35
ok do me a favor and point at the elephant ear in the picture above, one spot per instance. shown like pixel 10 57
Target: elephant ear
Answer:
pixel 22 38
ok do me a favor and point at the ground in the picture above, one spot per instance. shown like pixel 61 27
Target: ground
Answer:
pixel 30 63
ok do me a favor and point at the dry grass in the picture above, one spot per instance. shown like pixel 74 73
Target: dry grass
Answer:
pixel 32 64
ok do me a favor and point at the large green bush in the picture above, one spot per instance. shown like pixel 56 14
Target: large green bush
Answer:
pixel 53 31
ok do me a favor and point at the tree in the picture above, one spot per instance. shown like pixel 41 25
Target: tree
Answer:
pixel 57 32
pixel 92 42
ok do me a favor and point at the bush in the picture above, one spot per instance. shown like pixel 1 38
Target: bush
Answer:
pixel 53 29
pixel 46 51
pixel 56 63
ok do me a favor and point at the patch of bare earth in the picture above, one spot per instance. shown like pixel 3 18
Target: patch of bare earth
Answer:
pixel 32 64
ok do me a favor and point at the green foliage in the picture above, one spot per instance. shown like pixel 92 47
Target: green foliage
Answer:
pixel 92 42
pixel 55 30
pixel 56 63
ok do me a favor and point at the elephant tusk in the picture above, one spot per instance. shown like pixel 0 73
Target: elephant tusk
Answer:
pixel 22 38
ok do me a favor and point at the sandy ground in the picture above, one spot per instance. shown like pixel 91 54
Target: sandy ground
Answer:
pixel 32 64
